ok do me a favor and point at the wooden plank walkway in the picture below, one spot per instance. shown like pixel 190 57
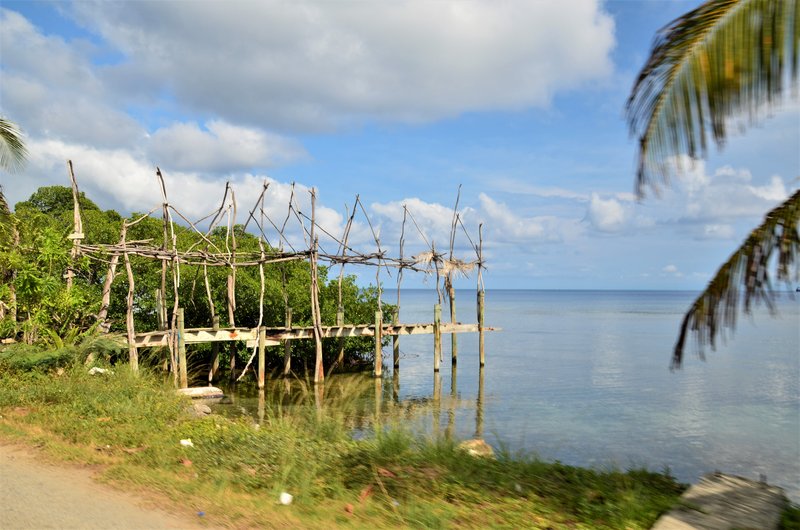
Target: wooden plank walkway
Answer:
pixel 725 502
pixel 274 336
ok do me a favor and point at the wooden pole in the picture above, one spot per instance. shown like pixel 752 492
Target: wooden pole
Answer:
pixel 133 352
pixel 212 372
pixel 184 380
pixel 77 235
pixel 287 345
pixel 319 369
pixel 481 297
pixel 451 295
pixel 340 322
pixel 102 315
pixel 378 372
pixel 479 406
pixel 437 403
pixel 232 348
pixel 481 348
pixel 262 355
pixel 396 340
pixel 437 336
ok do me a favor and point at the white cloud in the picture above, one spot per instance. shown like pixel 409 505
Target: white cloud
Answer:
pixel 717 231
pixel 127 180
pixel 51 89
pixel 672 270
pixel 312 64
pixel 507 227
pixel 607 215
pixel 221 147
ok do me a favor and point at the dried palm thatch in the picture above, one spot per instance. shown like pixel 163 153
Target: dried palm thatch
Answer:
pixel 746 273
pixel 457 267
pixel 424 258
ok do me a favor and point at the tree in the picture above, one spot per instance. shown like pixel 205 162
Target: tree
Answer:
pixel 724 59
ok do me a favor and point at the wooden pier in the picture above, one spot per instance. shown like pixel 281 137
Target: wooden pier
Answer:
pixel 264 337
pixel 203 253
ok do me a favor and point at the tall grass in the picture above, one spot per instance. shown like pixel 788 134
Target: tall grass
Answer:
pixel 237 467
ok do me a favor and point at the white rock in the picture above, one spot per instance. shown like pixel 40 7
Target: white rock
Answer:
pixel 286 498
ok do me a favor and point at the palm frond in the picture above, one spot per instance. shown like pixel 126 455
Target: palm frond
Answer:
pixel 725 58
pixel 745 278
pixel 12 148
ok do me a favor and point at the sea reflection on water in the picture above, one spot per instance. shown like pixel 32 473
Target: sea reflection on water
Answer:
pixel 363 402
pixel 583 377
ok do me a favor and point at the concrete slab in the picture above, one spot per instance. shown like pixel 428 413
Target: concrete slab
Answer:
pixel 726 502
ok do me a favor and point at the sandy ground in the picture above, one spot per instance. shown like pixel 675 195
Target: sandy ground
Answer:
pixel 36 495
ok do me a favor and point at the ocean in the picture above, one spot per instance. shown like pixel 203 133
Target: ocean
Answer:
pixel 583 377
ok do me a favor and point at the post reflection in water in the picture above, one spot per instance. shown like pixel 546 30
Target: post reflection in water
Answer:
pixel 437 402
pixel 479 406
pixel 378 398
pixel 451 405
pixel 396 385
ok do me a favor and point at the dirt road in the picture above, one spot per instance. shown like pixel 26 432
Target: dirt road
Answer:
pixel 35 495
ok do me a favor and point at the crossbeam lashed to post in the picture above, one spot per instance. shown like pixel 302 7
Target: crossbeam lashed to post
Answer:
pixel 204 253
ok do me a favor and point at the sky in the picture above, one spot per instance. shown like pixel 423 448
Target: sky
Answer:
pixel 518 103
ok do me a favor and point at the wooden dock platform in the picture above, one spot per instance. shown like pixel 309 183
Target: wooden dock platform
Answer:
pixel 274 336
pixel 725 502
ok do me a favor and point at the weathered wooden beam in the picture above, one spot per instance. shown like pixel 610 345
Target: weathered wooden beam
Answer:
pixel 275 335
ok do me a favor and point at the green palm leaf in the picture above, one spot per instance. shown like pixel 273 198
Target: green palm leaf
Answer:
pixel 12 157
pixel 745 274
pixel 726 58
pixel 12 148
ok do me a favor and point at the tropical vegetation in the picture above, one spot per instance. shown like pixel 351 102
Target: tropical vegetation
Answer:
pixel 722 60
pixel 39 308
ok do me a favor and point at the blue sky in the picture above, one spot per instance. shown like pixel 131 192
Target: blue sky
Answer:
pixel 520 103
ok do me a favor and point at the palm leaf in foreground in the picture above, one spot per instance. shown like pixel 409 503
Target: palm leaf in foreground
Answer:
pixel 746 273
pixel 12 148
pixel 725 58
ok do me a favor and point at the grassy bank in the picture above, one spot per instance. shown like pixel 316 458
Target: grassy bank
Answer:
pixel 235 471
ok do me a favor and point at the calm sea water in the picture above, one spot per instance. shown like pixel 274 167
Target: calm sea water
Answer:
pixel 583 377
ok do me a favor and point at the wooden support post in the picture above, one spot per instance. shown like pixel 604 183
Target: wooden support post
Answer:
pixel 262 356
pixel 378 344
pixel 316 316
pixel 232 320
pixel 340 322
pixel 133 352
pixel 212 372
pixel 451 295
pixel 77 234
pixel 481 350
pixel 479 407
pixel 262 405
pixel 287 345
pixel 437 336
pixel 437 403
pixel 184 381
pixel 396 340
